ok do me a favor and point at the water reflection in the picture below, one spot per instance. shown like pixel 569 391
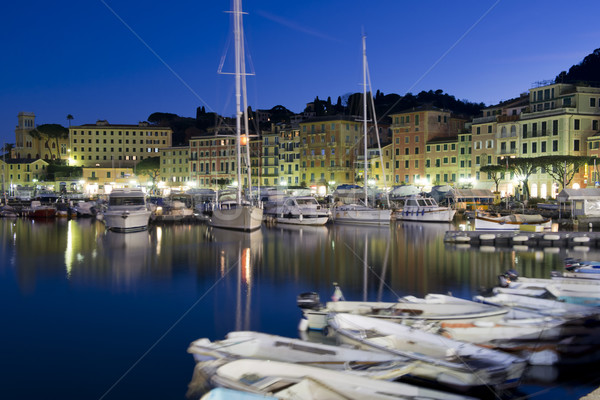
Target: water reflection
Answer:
pixel 239 281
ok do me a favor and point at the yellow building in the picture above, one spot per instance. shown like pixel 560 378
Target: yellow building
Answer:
pixel 27 146
pixel 329 150
pixel 175 167
pixel 21 172
pixel 99 180
pixel 105 145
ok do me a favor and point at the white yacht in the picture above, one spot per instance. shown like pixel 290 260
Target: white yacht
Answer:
pixel 424 209
pixel 301 210
pixel 127 211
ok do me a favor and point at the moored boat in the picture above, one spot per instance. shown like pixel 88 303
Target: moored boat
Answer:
pixel 466 366
pixel 301 382
pixel 423 209
pixel 511 222
pixel 127 211
pixel 408 309
pixel 301 210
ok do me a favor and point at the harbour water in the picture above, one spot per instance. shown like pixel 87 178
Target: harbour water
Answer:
pixel 90 314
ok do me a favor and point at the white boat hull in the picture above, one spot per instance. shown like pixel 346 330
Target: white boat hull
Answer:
pixel 241 218
pixel 465 365
pixel 492 223
pixel 302 220
pixel 434 215
pixel 362 216
pixel 433 308
pixel 301 382
pixel 126 220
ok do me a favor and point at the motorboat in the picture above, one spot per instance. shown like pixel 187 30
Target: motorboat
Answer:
pixel 361 214
pixel 424 209
pixel 7 211
pixel 407 310
pixel 175 208
pixel 262 346
pixel 581 269
pixel 512 222
pixel 545 307
pixel 526 334
pixel 39 210
pixel 569 290
pixel 126 211
pixel 466 366
pixel 301 210
pixel 302 382
pixel 231 394
pixel 255 345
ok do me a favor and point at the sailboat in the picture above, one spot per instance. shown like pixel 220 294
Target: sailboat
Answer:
pixel 363 213
pixel 239 213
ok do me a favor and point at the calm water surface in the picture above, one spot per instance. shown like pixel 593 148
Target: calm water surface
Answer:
pixel 90 314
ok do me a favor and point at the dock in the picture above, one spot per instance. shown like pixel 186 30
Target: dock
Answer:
pixel 523 239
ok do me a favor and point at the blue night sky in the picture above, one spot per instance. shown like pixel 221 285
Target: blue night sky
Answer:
pixel 123 60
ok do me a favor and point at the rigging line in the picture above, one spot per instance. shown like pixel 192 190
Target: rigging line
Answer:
pixel 156 55
pixel 170 329
pixel 460 39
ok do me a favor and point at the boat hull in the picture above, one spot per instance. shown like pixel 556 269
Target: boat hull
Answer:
pixel 423 215
pixel 127 221
pixel 362 216
pixel 490 223
pixel 240 218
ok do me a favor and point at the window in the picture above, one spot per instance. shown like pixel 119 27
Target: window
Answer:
pixel 524 148
pixel 477 160
pixel 555 127
pixel 524 131
pixel 592 102
pixel 595 125
pixel 489 129
pixel 576 123
pixel 543 147
pixel 534 147
pixel 576 144
pixel 478 130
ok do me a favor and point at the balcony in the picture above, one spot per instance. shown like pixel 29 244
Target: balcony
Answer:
pixel 483 120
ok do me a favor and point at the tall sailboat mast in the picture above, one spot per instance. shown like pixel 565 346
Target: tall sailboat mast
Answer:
pixel 237 33
pixel 366 173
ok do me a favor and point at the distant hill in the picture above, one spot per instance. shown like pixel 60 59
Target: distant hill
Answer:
pixel 587 71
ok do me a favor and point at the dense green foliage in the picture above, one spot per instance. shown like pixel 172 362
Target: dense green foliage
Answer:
pixel 149 166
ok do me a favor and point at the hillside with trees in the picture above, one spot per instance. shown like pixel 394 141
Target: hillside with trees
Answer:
pixel 587 71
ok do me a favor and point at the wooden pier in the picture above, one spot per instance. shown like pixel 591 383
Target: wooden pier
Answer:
pixel 524 240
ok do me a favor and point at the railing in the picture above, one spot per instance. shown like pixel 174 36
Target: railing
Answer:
pixel 483 120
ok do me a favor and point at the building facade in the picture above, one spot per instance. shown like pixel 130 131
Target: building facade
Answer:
pixel 106 145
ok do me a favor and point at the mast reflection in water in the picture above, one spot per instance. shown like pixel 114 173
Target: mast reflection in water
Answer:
pixel 95 314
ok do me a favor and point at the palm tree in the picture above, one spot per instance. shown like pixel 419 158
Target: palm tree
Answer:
pixel 69 119
pixel 8 149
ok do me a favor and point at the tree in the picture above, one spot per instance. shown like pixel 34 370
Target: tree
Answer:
pixel 523 168
pixel 69 119
pixel 149 166
pixel 495 173
pixel 49 133
pixel 8 147
pixel 563 168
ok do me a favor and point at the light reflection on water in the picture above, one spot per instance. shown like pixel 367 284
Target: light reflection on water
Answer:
pixel 94 301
